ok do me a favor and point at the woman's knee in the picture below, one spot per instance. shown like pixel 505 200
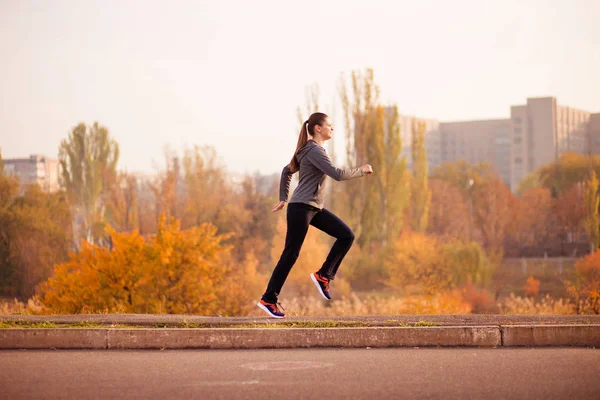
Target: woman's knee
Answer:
pixel 349 237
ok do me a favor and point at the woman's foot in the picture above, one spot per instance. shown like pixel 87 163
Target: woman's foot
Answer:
pixel 271 308
pixel 322 284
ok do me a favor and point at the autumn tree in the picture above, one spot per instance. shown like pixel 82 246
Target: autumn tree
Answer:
pixel 532 287
pixel 585 287
pixel 87 157
pixel 493 211
pixel 530 181
pixel 467 178
pixel 35 234
pixel 205 185
pixel 147 205
pixel 448 214
pixel 533 225
pixel 569 208
pixel 173 272
pixel 374 205
pixel 393 178
pixel 592 222
pixel 9 189
pixel 257 227
pixel 569 169
pixel 419 260
pixel 421 195
pixel 459 174
pixel 358 107
pixel 123 202
pixel 167 187
pixel 311 95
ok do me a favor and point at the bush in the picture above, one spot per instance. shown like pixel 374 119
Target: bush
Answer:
pixel 585 288
pixel 174 272
pixel 435 266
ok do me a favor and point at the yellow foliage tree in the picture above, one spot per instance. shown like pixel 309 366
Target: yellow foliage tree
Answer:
pixel 174 272
pixel 585 289
pixel 415 259
pixel 418 259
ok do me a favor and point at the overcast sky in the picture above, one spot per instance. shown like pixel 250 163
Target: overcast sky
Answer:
pixel 231 73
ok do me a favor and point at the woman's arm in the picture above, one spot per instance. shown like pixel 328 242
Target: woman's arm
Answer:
pixel 319 158
pixel 284 183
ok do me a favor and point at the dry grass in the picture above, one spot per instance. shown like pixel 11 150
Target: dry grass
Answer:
pixel 528 305
pixel 14 306
pixel 370 304
pixel 353 305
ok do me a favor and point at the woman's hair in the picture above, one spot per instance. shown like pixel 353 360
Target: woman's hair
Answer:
pixel 308 128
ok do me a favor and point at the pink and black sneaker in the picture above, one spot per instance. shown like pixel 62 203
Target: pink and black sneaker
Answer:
pixel 322 284
pixel 271 308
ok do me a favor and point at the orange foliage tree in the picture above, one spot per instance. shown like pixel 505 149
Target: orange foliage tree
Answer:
pixel 448 214
pixel 585 288
pixel 532 287
pixel 174 272
pixel 494 210
pixel 533 225
pixel 570 212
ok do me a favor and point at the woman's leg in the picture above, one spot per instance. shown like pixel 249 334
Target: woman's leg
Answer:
pixel 299 216
pixel 333 226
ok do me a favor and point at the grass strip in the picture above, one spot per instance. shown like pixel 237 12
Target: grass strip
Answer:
pixel 11 324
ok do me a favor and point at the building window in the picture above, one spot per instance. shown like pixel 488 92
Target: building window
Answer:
pixel 518 160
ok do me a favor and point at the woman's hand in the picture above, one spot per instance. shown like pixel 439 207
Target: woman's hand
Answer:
pixel 367 169
pixel 278 206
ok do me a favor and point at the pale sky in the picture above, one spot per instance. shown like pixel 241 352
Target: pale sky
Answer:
pixel 231 73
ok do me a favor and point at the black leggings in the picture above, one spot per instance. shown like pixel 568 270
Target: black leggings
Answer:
pixel 299 216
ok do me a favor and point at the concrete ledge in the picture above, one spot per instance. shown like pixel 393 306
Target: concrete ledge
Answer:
pixel 551 335
pixel 250 338
pixel 61 338
pixel 303 337
pixel 260 338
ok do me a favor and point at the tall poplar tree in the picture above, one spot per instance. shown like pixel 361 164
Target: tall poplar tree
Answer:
pixel 87 158
pixel 421 195
pixel 592 223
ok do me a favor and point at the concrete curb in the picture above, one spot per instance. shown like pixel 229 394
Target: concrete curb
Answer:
pixel 551 335
pixel 256 338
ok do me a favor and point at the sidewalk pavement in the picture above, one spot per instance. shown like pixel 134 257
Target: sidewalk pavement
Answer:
pixel 151 331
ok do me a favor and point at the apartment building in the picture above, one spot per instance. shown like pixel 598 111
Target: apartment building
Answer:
pixel 477 142
pixel 536 133
pixel 542 130
pixel 36 169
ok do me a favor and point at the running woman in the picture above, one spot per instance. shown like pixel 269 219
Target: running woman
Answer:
pixel 306 208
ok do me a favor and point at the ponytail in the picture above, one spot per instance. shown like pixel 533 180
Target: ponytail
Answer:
pixel 315 119
pixel 302 139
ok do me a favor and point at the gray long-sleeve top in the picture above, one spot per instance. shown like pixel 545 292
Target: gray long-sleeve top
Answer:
pixel 315 164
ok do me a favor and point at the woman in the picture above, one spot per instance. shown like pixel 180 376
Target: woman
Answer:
pixel 306 208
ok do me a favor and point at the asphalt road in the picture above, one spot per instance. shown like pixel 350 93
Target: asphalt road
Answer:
pixel 425 373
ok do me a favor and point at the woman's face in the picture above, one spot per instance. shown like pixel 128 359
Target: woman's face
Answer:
pixel 325 130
